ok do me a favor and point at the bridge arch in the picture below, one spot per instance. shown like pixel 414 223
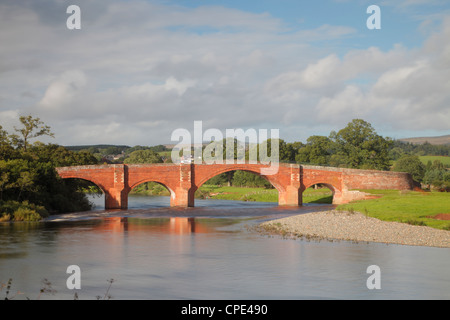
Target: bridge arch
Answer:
pixel 164 184
pixel 336 192
pixel 271 179
pixel 93 181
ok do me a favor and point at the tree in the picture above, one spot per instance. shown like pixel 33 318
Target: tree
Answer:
pixel 6 149
pixel 437 175
pixel 317 151
pixel 143 156
pixel 362 147
pixel 60 156
pixel 28 178
pixel 412 165
pixel 249 179
pixel 112 150
pixel 32 128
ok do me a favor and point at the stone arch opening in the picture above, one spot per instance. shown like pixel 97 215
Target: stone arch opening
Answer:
pixel 320 193
pixel 231 184
pixel 150 193
pixel 93 191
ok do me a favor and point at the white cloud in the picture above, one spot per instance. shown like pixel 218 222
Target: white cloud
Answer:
pixel 138 70
pixel 63 90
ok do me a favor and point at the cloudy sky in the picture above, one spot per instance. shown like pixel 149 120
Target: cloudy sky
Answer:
pixel 139 69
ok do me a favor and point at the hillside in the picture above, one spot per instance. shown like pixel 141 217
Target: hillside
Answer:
pixel 441 140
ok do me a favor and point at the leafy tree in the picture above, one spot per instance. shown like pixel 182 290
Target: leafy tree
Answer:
pixel 412 165
pixel 6 149
pixel 112 150
pixel 395 153
pixel 437 175
pixel 361 146
pixel 29 184
pixel 143 156
pixel 31 128
pixel 221 179
pixel 249 179
pixel 317 151
pixel 294 148
pixel 60 156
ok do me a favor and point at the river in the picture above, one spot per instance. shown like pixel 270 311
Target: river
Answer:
pixel 152 251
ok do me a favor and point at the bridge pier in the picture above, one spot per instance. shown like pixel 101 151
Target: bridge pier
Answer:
pixel 290 197
pixel 291 194
pixel 181 198
pixel 116 199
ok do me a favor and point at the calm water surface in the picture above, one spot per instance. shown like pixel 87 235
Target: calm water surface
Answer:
pixel 207 252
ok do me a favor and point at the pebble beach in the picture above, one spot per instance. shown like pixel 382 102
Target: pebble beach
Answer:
pixel 339 225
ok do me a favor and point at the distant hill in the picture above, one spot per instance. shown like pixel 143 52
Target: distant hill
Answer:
pixel 99 146
pixel 432 140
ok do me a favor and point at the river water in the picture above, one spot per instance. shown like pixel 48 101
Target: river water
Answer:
pixel 152 251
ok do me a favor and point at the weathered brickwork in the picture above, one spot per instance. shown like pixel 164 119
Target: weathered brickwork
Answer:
pixel 116 181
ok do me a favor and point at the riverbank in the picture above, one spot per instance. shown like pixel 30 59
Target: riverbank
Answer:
pixel 354 226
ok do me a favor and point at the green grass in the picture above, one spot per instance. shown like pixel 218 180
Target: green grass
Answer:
pixel 445 160
pixel 237 193
pixel 405 206
pixel 259 194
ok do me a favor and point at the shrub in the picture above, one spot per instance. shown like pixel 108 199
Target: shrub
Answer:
pixel 21 211
pixel 26 214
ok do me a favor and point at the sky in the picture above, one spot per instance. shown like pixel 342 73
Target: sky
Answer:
pixel 137 70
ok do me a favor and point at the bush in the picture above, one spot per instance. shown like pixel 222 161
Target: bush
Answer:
pixel 21 211
pixel 26 214
pixel 412 165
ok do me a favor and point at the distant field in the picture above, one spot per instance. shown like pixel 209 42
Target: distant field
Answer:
pixel 444 159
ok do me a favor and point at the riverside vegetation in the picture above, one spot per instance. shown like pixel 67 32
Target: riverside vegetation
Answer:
pixel 30 188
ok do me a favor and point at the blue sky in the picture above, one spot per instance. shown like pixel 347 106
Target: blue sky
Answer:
pixel 139 69
pixel 400 20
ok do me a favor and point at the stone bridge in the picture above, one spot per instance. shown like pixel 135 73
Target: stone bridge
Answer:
pixel 182 180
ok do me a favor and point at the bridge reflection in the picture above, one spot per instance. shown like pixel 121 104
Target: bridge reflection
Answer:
pixel 172 225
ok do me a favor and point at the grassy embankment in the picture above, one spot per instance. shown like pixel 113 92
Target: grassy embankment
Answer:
pixel 417 208
pixel 413 207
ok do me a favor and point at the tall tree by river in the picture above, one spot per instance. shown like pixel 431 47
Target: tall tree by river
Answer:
pixel 30 187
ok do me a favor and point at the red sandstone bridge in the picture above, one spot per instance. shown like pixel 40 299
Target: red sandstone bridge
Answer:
pixel 182 180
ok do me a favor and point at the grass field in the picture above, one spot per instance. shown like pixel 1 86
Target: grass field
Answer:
pixel 445 160
pixel 405 206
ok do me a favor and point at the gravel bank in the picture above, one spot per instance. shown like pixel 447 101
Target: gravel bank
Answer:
pixel 337 225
